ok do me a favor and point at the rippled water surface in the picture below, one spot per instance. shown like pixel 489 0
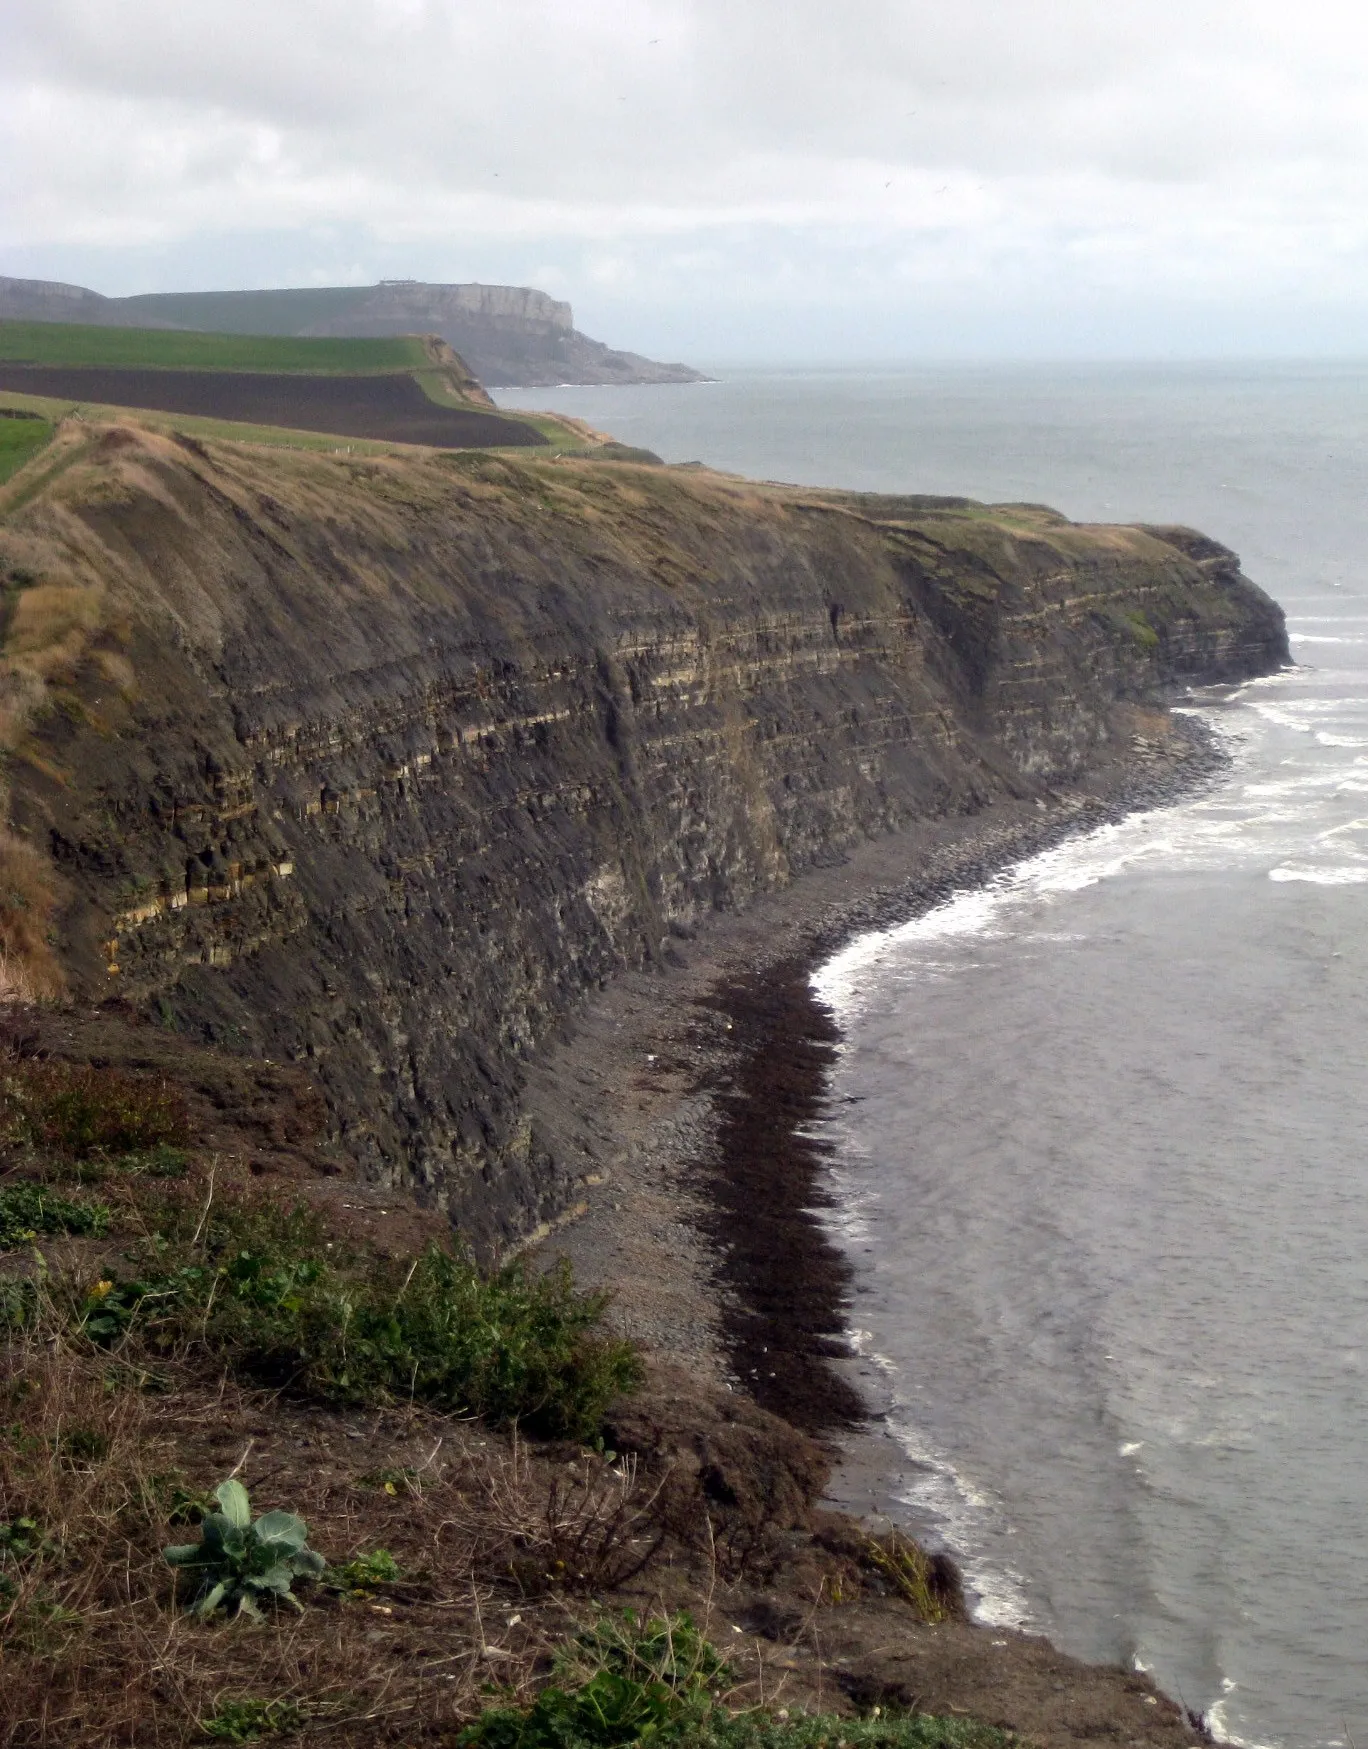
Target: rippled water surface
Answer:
pixel 1101 1137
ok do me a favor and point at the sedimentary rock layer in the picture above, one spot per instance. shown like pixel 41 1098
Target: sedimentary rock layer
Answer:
pixel 382 765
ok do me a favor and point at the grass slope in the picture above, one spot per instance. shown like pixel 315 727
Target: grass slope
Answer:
pixel 20 440
pixel 70 343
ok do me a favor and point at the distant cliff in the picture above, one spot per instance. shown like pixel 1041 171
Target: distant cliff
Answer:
pixel 381 765
pixel 509 335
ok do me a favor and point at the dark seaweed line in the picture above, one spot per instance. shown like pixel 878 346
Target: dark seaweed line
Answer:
pixel 785 1308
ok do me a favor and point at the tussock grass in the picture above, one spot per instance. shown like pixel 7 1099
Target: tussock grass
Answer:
pixel 28 966
pixel 50 624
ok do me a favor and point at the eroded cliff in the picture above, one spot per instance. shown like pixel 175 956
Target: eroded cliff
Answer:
pixel 381 765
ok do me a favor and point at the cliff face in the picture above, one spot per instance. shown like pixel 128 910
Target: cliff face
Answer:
pixel 381 765
pixel 509 334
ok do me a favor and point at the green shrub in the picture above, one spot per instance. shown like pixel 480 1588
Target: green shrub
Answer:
pixel 265 1289
pixel 622 1685
pixel 619 1683
pixel 77 1111
pixel 366 1572
pixel 241 1564
pixel 27 1210
pixel 249 1719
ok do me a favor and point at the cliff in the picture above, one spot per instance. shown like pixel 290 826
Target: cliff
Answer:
pixel 509 335
pixel 381 765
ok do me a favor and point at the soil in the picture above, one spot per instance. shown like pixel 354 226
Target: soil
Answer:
pixel 389 408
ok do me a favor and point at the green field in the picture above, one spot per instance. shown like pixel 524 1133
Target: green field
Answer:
pixel 71 343
pixel 20 439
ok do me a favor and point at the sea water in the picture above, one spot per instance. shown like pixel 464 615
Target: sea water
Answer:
pixel 1101 1151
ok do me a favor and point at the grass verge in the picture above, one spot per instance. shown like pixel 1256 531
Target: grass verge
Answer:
pixel 20 440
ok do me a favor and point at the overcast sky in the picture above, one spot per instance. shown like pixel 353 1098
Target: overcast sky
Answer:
pixel 720 179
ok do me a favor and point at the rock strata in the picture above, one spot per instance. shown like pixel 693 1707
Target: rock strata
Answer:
pixel 381 766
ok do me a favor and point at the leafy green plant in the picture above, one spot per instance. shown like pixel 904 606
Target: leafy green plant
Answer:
pixel 267 1290
pixel 249 1719
pixel 620 1683
pixel 28 1210
pixel 24 1539
pixel 366 1572
pixel 240 1563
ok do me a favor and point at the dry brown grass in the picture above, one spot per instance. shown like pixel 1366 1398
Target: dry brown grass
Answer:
pixel 28 967
pixel 94 1650
pixel 589 1527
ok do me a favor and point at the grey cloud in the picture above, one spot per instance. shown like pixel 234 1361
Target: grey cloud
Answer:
pixel 1044 144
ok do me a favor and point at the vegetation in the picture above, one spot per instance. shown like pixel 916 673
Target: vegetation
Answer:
pixel 269 1296
pixel 366 1572
pixel 78 1112
pixel 250 1719
pixel 73 344
pixel 663 1683
pixel 30 1210
pixel 20 441
pixel 909 1570
pixel 240 1563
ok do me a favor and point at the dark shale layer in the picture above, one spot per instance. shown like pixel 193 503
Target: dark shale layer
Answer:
pixel 383 765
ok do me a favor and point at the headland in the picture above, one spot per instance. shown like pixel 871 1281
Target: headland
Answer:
pixel 447 834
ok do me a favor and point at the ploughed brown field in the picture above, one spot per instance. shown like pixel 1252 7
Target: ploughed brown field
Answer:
pixel 393 409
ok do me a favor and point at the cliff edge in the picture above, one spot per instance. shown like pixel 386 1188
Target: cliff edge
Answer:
pixel 381 765
pixel 511 336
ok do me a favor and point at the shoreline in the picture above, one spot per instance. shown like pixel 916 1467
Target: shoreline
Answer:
pixel 696 1088
pixel 681 1096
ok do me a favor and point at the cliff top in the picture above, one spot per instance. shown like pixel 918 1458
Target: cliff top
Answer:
pixel 508 334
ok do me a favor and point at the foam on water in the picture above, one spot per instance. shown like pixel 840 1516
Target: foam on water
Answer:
pixel 1098 1130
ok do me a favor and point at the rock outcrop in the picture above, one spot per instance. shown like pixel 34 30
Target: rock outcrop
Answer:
pixel 380 766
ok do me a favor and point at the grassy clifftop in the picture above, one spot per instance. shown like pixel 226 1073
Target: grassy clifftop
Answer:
pixel 69 343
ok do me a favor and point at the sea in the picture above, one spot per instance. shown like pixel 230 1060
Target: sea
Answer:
pixel 1100 1130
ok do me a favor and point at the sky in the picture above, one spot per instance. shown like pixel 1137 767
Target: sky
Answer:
pixel 794 181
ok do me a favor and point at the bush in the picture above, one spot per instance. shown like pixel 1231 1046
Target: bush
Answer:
pixel 78 1112
pixel 913 1574
pixel 286 1307
pixel 623 1684
pixel 28 1210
